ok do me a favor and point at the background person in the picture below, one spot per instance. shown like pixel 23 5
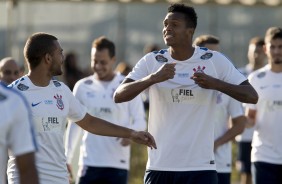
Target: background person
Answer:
pixel 227 109
pixel 104 159
pixel 9 70
pixel 266 155
pixel 257 59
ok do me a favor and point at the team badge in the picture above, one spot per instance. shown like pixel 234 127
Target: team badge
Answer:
pixel 2 97
pixel 206 56
pixel 88 82
pixel 22 87
pixel 261 74
pixel 161 59
pixel 60 103
pixel 57 84
pixel 199 69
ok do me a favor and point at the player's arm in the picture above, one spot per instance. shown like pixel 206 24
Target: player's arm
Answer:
pixel 27 169
pixel 243 92
pixel 238 126
pixel 101 127
pixel 251 115
pixel 129 88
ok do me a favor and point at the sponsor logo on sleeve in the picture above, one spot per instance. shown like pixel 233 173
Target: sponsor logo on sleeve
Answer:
pixel 161 59
pixel 22 87
pixel 206 56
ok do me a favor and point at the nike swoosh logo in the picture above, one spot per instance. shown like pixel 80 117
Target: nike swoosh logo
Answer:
pixel 35 104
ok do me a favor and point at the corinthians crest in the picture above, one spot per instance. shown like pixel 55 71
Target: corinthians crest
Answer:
pixel 60 103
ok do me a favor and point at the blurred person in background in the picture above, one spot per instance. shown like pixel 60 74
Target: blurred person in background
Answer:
pixel 123 68
pixel 104 159
pixel 52 104
pixel 71 73
pixel 182 81
pixel 9 70
pixel 17 136
pixel 227 108
pixel 257 59
pixel 266 115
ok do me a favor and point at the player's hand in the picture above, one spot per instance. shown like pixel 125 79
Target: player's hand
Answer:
pixel 125 141
pixel 70 173
pixel 165 72
pixel 143 137
pixel 204 80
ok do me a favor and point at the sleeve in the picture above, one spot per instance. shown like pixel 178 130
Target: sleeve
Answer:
pixel 73 135
pixel 77 111
pixel 137 114
pixel 21 137
pixel 226 70
pixel 140 70
pixel 235 108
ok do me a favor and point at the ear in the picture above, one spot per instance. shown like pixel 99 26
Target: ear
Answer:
pixel 48 58
pixel 264 48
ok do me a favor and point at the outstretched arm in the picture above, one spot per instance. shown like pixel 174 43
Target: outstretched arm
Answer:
pixel 129 88
pixel 101 127
pixel 243 92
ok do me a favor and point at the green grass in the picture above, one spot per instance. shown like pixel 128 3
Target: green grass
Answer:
pixel 137 163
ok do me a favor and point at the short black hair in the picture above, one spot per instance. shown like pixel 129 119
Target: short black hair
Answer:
pixel 37 45
pixel 104 43
pixel 273 33
pixel 188 11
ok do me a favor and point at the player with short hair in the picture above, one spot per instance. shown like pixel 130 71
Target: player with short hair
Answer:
pixel 182 82
pixel 52 103
pixel 104 159
pixel 266 155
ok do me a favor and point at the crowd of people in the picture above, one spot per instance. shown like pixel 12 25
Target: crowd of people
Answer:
pixel 198 102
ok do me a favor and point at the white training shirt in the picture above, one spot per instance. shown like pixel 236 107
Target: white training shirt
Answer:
pixel 103 151
pixel 50 106
pixel 266 145
pixel 227 107
pixel 16 128
pixel 182 114
pixel 247 134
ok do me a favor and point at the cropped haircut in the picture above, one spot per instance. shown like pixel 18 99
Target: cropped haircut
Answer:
pixel 273 33
pixel 202 40
pixel 37 46
pixel 103 43
pixel 188 11
pixel 258 41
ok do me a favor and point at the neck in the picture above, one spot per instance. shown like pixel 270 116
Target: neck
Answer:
pixel 39 78
pixel 276 68
pixel 181 53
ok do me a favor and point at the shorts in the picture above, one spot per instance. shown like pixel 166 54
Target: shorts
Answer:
pixel 223 178
pixel 103 175
pixel 180 177
pixel 244 156
pixel 263 173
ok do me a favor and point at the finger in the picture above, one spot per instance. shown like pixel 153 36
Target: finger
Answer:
pixel 151 140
